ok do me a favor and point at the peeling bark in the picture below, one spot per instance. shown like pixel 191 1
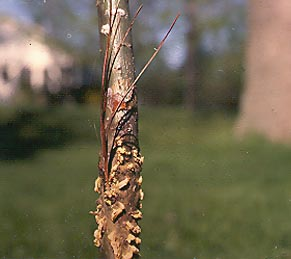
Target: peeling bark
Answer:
pixel 119 182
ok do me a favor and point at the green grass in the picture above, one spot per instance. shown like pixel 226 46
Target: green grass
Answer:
pixel 207 195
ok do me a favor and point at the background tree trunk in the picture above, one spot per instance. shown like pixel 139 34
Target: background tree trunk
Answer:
pixel 266 101
pixel 190 97
pixel 119 181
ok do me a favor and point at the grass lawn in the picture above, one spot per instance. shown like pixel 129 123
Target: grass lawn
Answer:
pixel 207 196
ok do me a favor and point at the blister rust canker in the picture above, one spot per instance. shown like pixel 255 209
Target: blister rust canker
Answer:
pixel 137 240
pixel 137 214
pixel 130 238
pixel 130 166
pixel 133 227
pixel 93 212
pixel 97 187
pixel 115 244
pixel 98 237
pixel 114 168
pixel 122 184
pixel 130 251
pixel 141 194
pixel 117 209
pixel 139 181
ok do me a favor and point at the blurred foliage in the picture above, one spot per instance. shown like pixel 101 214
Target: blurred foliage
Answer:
pixel 219 29
pixel 206 195
pixel 26 130
pixel 219 43
pixel 70 25
pixel 222 84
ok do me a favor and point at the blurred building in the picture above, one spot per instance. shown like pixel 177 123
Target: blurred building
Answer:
pixel 25 55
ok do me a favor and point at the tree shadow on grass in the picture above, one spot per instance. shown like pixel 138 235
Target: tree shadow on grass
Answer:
pixel 27 131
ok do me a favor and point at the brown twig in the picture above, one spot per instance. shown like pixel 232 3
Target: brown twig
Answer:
pixel 103 109
pixel 131 87
pixel 124 38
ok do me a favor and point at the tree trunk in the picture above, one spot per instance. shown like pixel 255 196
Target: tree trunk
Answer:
pixel 190 98
pixel 119 181
pixel 267 98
